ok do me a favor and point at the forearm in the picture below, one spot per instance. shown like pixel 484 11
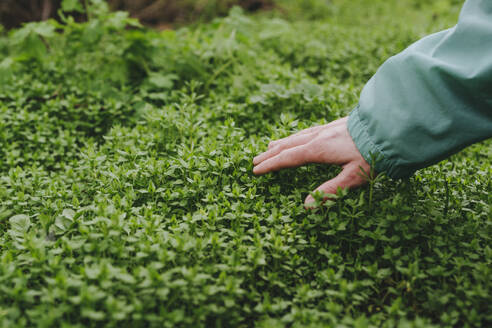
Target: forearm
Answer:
pixel 431 100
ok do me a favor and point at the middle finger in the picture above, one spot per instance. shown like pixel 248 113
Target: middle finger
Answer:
pixel 312 130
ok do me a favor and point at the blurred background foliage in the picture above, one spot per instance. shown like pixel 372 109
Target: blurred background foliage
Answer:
pixel 158 13
pixel 151 12
pixel 165 14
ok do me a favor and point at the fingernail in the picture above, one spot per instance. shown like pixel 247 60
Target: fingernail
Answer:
pixel 309 200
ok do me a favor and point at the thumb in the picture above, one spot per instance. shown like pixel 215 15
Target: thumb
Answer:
pixel 348 178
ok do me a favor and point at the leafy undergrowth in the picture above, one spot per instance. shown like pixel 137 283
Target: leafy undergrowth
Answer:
pixel 127 197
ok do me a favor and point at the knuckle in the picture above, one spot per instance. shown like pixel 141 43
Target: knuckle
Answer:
pixel 311 152
pixel 287 153
pixel 327 134
pixel 354 175
pixel 314 148
pixel 276 149
pixel 289 156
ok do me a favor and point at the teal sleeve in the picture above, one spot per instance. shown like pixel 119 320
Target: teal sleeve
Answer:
pixel 431 100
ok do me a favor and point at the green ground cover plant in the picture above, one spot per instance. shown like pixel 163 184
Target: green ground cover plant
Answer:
pixel 127 196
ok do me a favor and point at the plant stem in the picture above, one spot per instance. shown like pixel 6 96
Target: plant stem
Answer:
pixel 371 188
pixel 87 10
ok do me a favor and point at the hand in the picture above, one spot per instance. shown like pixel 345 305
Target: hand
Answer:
pixel 330 144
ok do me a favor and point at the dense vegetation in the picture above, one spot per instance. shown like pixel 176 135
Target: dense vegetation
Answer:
pixel 127 197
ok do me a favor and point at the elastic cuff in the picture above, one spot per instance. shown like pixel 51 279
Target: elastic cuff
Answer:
pixel 368 149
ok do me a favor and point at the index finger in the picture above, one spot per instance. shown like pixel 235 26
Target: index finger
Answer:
pixel 292 157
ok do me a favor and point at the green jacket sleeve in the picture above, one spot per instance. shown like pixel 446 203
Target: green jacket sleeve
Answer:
pixel 431 100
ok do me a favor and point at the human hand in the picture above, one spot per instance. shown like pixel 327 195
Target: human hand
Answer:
pixel 329 144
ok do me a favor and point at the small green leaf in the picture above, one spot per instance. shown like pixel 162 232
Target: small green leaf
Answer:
pixel 162 81
pixel 92 314
pixel 6 63
pixel 20 223
pixel 72 5
pixel 68 213
pixel 126 278
pixel 44 29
